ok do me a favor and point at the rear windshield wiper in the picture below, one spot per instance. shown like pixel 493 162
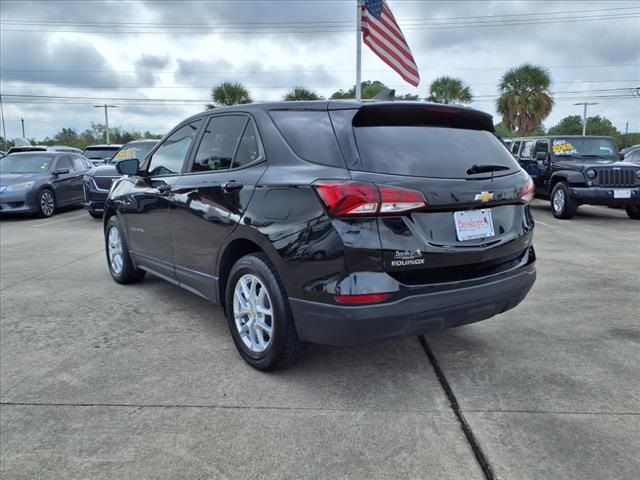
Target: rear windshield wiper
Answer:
pixel 486 168
pixel 588 155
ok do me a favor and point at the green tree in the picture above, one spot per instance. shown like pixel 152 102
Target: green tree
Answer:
pixel 301 93
pixel 572 125
pixel 229 93
pixel 369 90
pixel 525 100
pixel 503 131
pixel 67 136
pixel 449 90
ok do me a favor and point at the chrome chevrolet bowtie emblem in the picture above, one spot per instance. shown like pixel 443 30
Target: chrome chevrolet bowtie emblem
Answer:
pixel 484 196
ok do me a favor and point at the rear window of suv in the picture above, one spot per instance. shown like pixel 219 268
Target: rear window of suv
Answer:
pixel 424 151
pixel 310 135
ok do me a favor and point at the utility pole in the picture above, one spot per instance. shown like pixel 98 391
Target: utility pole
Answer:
pixel 359 6
pixel 626 134
pixel 584 115
pixel 106 119
pixel 22 121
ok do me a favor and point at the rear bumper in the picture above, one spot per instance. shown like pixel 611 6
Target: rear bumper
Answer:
pixel 414 315
pixel 605 196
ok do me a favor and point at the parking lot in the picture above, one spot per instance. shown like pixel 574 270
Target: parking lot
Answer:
pixel 100 380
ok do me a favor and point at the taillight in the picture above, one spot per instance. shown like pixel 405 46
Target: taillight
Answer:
pixel 366 298
pixel 346 198
pixel 527 191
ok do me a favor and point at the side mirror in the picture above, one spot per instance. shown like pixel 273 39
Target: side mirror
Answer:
pixel 129 166
pixel 621 156
pixel 542 156
pixel 61 171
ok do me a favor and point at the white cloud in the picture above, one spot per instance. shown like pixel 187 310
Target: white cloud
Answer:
pixel 186 66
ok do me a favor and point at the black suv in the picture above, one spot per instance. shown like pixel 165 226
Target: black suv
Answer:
pixel 329 222
pixel 98 180
pixel 573 170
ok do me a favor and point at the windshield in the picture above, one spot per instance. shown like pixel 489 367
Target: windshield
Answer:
pixel 577 148
pixel 436 152
pixel 138 151
pixel 99 154
pixel 25 163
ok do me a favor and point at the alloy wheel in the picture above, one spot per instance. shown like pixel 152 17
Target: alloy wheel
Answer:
pixel 559 200
pixel 253 313
pixel 47 203
pixel 116 259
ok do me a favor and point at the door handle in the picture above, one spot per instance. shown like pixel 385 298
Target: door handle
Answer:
pixel 231 186
pixel 164 188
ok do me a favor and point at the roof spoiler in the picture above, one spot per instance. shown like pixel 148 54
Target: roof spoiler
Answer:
pixel 405 114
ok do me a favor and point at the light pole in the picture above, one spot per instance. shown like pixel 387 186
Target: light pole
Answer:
pixel 106 119
pixel 584 115
pixel 22 121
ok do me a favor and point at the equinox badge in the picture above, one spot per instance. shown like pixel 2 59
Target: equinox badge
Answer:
pixel 484 196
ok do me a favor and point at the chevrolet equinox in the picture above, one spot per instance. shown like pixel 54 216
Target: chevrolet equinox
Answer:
pixel 329 222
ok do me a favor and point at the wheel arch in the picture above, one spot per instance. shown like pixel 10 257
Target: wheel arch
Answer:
pixel 232 252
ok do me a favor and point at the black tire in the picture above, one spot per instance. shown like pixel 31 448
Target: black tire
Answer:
pixel 633 211
pixel 46 203
pixel 127 272
pixel 284 346
pixel 562 205
pixel 95 214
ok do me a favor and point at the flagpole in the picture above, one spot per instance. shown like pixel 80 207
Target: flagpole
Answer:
pixel 359 50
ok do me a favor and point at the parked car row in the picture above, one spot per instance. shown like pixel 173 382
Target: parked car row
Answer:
pixel 573 170
pixel 40 179
pixel 97 182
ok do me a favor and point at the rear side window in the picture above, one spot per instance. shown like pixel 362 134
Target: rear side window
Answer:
pixel 310 135
pixel 248 149
pixel 219 143
pixel 436 152
pixel 515 147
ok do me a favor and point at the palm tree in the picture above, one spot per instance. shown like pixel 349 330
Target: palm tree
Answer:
pixel 229 93
pixel 301 93
pixel 449 90
pixel 525 100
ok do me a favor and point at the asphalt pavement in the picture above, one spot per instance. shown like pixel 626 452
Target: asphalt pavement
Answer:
pixel 104 381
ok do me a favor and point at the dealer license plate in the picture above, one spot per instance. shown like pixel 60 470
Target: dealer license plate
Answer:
pixel 473 224
pixel 622 193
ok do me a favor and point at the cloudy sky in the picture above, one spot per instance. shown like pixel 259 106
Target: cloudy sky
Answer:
pixel 164 56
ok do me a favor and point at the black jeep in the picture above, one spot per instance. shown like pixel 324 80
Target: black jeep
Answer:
pixel 573 170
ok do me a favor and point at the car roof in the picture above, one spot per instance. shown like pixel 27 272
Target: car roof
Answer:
pixel 141 140
pixel 550 137
pixel 112 146
pixel 44 153
pixel 327 105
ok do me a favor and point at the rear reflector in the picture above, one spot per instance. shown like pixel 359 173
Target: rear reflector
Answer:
pixel 527 191
pixel 343 197
pixel 367 298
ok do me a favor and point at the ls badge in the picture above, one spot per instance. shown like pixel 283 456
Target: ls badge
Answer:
pixel 484 196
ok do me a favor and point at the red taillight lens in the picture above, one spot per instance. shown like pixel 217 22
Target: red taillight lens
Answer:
pixel 396 199
pixel 367 298
pixel 348 198
pixel 527 191
pixel 343 197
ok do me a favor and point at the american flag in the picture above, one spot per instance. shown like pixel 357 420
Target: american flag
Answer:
pixel 382 34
